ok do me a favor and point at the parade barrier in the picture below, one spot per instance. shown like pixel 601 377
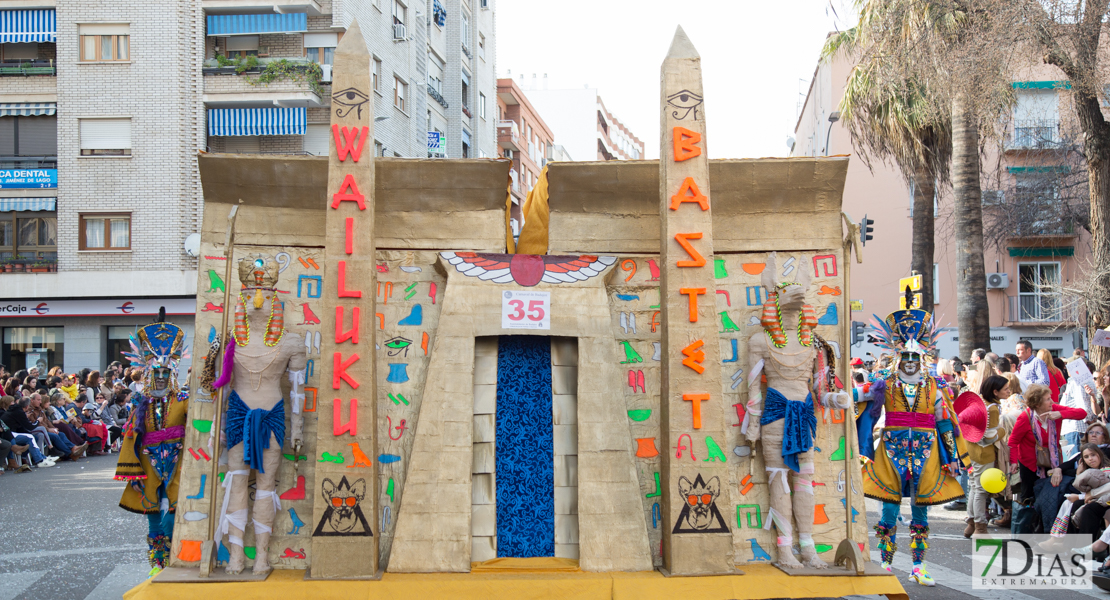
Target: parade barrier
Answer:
pixel 458 420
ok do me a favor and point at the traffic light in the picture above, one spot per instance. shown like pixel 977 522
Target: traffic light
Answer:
pixel 866 230
pixel 859 332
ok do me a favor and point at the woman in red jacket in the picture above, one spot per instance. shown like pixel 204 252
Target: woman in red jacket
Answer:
pixel 1055 375
pixel 1035 441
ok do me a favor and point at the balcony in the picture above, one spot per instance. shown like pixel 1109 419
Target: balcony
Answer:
pixel 225 7
pixel 31 265
pixel 438 97
pixel 508 136
pixel 1041 309
pixel 263 82
pixel 514 184
pixel 27 68
pixel 1040 134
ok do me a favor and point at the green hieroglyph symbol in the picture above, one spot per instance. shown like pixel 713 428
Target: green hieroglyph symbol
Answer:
pixel 714 450
pixel 758 521
pixel 389 489
pixel 215 283
pixel 337 458
pixel 641 414
pixel 630 354
pixel 727 323
pixel 202 425
pixel 657 491
pixel 839 453
pixel 719 271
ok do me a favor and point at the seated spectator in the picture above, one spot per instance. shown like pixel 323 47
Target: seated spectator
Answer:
pixel 115 416
pixel 136 384
pixel 69 386
pixel 20 444
pixel 95 431
pixel 1035 441
pixel 55 412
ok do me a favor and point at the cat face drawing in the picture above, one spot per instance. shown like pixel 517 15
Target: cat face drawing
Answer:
pixel 699 512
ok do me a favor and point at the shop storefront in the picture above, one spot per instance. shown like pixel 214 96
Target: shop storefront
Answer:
pixel 79 334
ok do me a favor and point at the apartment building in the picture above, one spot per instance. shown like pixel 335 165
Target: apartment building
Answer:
pixel 1034 198
pixel 523 137
pixel 585 128
pixel 104 107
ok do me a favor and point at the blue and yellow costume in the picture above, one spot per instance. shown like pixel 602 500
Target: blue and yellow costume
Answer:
pixel 153 438
pixel 920 450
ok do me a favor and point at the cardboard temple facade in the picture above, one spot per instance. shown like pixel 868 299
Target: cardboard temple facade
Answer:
pixel 464 405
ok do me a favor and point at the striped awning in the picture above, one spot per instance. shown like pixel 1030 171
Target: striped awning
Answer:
pixel 26 204
pixel 257 121
pixel 20 26
pixel 224 25
pixel 28 109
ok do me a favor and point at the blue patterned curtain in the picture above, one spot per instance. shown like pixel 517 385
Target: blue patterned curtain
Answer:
pixel 524 448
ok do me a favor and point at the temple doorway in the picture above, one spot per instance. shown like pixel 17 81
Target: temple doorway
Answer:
pixel 525 487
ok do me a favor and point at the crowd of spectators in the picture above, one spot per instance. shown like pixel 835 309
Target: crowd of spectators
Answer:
pixel 1049 430
pixel 56 416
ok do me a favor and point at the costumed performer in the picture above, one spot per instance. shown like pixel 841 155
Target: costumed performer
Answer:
pixel 154 435
pixel 921 450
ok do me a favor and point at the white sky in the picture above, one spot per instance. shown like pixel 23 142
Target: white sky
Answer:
pixel 757 59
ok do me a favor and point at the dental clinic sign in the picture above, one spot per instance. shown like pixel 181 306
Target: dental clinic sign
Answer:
pixel 28 178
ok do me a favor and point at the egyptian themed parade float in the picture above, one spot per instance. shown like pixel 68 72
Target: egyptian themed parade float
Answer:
pixel 400 397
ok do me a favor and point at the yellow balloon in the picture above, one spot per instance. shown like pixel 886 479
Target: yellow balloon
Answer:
pixel 993 481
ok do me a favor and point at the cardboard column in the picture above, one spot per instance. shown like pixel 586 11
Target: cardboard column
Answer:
pixel 344 543
pixel 695 479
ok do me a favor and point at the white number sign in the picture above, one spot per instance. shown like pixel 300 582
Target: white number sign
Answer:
pixel 525 310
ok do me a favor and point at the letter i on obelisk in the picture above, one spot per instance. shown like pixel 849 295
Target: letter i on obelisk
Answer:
pixel 696 535
pixel 344 544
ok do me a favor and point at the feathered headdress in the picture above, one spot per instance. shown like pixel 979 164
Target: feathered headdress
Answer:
pixel 159 344
pixel 912 330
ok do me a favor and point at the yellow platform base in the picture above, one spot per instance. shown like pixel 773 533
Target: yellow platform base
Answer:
pixel 759 581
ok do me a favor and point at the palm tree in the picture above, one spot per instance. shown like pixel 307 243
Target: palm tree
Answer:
pixel 911 108
pixel 891 117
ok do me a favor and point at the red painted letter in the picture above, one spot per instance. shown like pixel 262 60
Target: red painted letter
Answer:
pixel 349 237
pixel 684 140
pixel 338 427
pixel 343 291
pixel 352 196
pixel 351 137
pixel 339 370
pixel 342 336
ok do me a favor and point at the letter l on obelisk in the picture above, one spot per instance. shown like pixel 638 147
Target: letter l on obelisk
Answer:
pixel 696 499
pixel 345 495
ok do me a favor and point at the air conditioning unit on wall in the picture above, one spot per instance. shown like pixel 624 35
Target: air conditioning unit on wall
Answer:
pixel 325 73
pixel 399 33
pixel 998 281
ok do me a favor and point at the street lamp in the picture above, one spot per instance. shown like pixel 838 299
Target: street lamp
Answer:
pixel 833 118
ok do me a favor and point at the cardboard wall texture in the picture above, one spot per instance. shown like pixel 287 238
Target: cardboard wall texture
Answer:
pixel 430 217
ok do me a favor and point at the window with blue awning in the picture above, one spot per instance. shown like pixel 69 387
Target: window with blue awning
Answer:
pixel 226 25
pixel 24 26
pixel 257 121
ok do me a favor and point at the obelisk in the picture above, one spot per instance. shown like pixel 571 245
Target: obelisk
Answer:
pixel 344 542
pixel 695 482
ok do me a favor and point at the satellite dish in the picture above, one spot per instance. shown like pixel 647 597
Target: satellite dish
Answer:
pixel 192 245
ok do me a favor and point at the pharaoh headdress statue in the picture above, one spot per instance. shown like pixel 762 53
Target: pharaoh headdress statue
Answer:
pixel 259 274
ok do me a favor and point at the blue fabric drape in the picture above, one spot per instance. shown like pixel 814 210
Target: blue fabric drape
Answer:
pixel 253 428
pixel 525 469
pixel 800 426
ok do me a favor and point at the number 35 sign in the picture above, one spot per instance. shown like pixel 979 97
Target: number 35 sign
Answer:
pixel 526 310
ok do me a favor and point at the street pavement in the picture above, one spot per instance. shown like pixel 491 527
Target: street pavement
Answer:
pixel 64 537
